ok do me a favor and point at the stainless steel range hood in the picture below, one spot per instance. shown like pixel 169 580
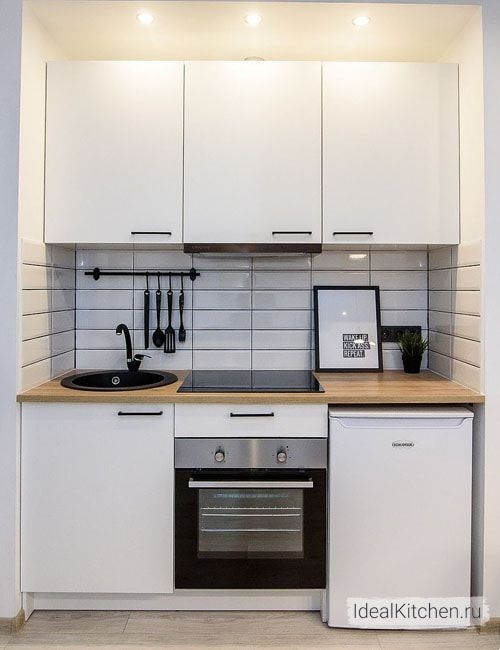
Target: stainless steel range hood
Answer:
pixel 253 249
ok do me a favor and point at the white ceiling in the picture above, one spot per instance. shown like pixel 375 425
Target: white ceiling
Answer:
pixel 91 29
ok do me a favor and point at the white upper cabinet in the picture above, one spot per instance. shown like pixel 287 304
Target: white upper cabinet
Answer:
pixel 114 152
pixel 390 153
pixel 252 152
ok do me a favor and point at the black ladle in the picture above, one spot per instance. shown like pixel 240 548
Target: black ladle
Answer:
pixel 158 335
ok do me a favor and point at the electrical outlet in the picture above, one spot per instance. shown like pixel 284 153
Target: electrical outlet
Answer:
pixel 392 333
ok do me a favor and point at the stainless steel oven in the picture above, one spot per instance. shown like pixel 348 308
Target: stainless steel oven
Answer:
pixel 250 513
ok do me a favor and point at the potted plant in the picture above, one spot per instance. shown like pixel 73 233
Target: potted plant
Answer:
pixel 412 347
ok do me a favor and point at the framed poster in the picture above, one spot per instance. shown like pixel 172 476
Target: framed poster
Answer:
pixel 347 329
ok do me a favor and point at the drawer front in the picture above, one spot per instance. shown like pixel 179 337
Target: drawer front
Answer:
pixel 251 420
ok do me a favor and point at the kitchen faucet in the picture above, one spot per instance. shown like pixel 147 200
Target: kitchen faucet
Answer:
pixel 133 361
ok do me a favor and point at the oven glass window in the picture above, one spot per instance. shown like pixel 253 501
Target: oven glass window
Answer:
pixel 244 523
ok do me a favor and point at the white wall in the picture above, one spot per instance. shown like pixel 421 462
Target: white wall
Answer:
pixel 467 51
pixel 491 29
pixel 10 70
pixel 37 48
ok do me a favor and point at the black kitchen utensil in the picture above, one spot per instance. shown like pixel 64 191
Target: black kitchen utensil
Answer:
pixel 182 329
pixel 170 332
pixel 158 336
pixel 146 314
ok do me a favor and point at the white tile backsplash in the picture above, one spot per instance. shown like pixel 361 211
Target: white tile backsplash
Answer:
pixel 47 304
pixel 440 258
pixel 342 261
pixel 222 320
pixel 287 263
pixel 104 299
pixel 282 320
pixel 466 302
pixel 104 259
pixel 400 280
pixel 222 300
pixel 398 260
pixel 407 300
pixel 222 339
pixel 241 312
pixel 467 254
pixel 222 359
pixel 281 359
pixel 440 280
pixel 36 325
pixel 62 299
pixel 467 278
pixel 281 340
pixel 281 280
pixel 341 278
pixel 223 280
pixel 455 348
pixel 282 300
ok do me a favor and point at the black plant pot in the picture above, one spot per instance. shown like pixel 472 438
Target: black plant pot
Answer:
pixel 411 364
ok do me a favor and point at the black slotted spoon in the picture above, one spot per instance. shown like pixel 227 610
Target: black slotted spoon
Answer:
pixel 169 332
pixel 158 336
pixel 182 329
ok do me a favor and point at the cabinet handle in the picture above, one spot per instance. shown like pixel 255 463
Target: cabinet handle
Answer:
pixel 151 232
pixel 251 415
pixel 291 232
pixel 353 232
pixel 133 413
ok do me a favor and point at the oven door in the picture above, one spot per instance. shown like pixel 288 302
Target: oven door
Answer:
pixel 241 529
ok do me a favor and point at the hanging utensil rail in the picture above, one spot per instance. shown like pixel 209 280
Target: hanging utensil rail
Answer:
pixel 192 274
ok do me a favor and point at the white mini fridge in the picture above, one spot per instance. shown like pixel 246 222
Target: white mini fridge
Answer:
pixel 399 509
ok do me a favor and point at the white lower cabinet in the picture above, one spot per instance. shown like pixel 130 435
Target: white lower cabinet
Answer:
pixel 251 421
pixel 97 498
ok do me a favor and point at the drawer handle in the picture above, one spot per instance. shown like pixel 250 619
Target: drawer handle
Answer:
pixel 137 413
pixel 251 415
pixel 352 232
pixel 151 232
pixel 291 232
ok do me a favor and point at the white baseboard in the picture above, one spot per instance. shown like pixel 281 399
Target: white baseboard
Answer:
pixel 187 600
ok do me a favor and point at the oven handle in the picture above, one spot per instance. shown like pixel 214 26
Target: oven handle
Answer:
pixel 193 483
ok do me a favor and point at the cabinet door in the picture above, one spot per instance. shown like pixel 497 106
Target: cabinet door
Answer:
pixel 97 498
pixel 390 153
pixel 114 152
pixel 253 152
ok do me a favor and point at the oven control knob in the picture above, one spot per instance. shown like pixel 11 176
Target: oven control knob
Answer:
pixel 281 456
pixel 219 456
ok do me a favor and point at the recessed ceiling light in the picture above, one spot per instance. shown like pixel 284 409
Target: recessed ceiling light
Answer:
pixel 145 18
pixel 357 256
pixel 253 19
pixel 361 21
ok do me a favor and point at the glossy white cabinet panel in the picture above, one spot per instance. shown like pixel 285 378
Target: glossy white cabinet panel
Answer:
pixel 114 151
pixel 390 153
pixel 215 421
pixel 97 498
pixel 252 151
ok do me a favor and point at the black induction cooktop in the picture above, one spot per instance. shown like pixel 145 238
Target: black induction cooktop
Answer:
pixel 251 381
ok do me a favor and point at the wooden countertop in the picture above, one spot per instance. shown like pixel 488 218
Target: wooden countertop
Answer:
pixel 389 387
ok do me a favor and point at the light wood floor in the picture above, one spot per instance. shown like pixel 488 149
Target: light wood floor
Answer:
pixel 222 630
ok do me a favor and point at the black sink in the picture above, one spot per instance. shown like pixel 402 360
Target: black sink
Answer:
pixel 116 380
